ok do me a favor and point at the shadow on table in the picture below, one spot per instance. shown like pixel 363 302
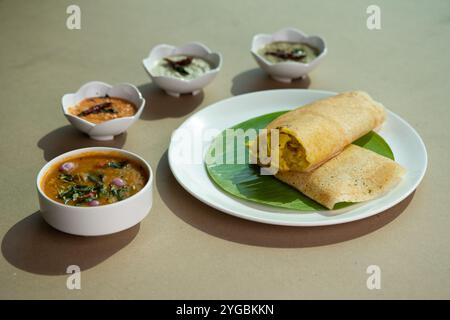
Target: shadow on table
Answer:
pixel 231 228
pixel 160 105
pixel 32 245
pixel 257 80
pixel 68 138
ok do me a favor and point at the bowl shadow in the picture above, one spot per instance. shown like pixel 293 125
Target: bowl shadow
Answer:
pixel 160 105
pixel 227 227
pixel 258 80
pixel 68 138
pixel 34 246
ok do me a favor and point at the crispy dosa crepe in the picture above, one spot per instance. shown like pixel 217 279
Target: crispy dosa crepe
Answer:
pixel 313 134
pixel 355 175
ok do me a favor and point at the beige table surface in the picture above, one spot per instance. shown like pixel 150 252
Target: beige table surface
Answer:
pixel 185 249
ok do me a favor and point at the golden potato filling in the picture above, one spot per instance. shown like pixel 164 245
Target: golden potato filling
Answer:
pixel 291 155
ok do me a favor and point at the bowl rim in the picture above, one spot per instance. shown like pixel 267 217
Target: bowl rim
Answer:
pixel 289 62
pixel 181 80
pixel 95 82
pixel 46 167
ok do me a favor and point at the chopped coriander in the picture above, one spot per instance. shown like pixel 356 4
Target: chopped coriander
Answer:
pixel 66 177
pixel 119 193
pixel 117 164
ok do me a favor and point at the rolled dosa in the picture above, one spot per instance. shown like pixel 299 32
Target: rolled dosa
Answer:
pixel 355 175
pixel 313 134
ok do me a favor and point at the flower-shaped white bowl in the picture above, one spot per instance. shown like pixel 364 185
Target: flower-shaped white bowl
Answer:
pixel 108 129
pixel 174 86
pixel 101 220
pixel 286 71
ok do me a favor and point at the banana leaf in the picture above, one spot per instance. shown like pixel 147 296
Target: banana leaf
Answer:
pixel 242 179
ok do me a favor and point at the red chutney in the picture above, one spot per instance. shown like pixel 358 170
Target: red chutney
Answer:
pixel 101 109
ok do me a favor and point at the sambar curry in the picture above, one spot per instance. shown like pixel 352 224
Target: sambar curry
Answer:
pixel 100 109
pixel 93 179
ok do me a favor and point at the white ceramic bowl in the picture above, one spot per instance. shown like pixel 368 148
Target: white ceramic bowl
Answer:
pixel 108 129
pixel 101 220
pixel 286 71
pixel 174 86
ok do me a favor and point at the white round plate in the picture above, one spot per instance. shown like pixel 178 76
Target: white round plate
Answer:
pixel 192 139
